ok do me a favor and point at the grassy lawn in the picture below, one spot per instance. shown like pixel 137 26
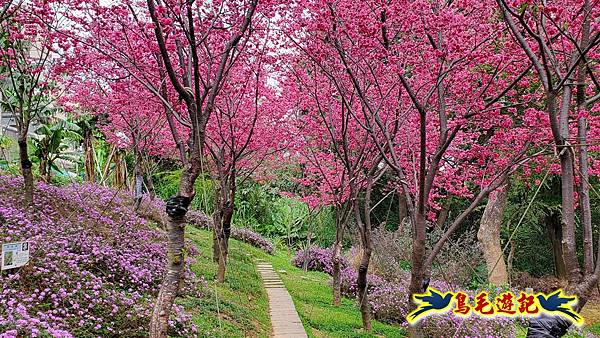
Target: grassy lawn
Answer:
pixel 237 308
pixel 243 304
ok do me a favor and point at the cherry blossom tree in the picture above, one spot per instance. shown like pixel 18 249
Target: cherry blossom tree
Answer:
pixel 560 39
pixel 435 115
pixel 340 159
pixel 246 132
pixel 26 54
pixel 184 63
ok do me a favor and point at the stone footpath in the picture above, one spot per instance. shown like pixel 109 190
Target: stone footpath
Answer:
pixel 284 317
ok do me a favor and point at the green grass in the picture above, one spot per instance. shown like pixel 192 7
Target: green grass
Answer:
pixel 312 296
pixel 237 308
pixel 243 303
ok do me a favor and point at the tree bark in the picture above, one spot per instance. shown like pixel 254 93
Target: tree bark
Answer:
pixel 26 170
pixel 363 297
pixel 139 182
pixel 568 202
pixel 361 282
pixel 489 236
pixel 364 226
pixel 584 193
pixel 222 223
pixel 443 214
pixel 150 183
pixel 176 210
pixel 44 169
pixel 88 147
pixel 582 130
pixel 417 276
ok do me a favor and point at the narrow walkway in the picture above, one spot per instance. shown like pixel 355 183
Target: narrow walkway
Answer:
pixel 284 318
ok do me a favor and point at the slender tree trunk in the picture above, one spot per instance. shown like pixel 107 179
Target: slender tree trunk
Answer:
pixel 88 147
pixel 150 184
pixel 174 273
pixel 417 276
pixel 568 219
pixel 217 222
pixel 489 236
pixel 26 169
pixel 509 261
pixel 567 192
pixel 139 182
pixel 582 130
pixel 176 209
pixel 364 226
pixel 222 223
pixel 363 297
pixel 584 193
pixel 443 215
pixel 224 241
pixel 49 170
pixel 44 169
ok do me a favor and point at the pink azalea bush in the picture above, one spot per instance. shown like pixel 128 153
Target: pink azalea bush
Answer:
pixel 95 266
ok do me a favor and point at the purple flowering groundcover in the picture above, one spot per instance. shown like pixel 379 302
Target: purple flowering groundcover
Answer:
pixel 95 266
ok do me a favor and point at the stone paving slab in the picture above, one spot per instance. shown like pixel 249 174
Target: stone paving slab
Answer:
pixel 284 317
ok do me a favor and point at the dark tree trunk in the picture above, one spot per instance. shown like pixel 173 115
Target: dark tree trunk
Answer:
pixel 363 297
pixel 554 228
pixel 361 281
pixel 224 240
pixel 139 183
pixel 44 169
pixel 26 170
pixel 150 183
pixel 222 223
pixel 88 147
pixel 364 226
pixel 584 194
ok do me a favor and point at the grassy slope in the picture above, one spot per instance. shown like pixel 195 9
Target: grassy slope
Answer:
pixel 243 303
pixel 237 308
pixel 312 296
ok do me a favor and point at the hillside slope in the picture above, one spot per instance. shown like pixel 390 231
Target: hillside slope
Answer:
pixel 96 267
